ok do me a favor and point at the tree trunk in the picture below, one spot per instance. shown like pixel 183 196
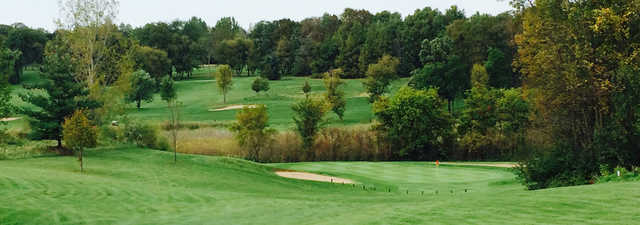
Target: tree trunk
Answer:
pixel 59 142
pixel 81 166
pixel 139 104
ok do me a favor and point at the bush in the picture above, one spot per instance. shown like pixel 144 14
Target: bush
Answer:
pixel 252 130
pixel 556 167
pixel 142 135
pixel 162 144
pixel 109 134
pixel 625 175
pixel 260 85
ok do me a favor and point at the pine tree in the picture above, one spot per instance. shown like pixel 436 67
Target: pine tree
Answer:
pixel 64 94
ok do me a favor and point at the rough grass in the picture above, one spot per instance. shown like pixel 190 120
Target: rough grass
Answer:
pixel 137 186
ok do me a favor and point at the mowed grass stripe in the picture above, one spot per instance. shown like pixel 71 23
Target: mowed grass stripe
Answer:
pixel 137 186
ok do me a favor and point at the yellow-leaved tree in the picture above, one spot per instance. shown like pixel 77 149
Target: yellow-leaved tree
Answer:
pixel 78 134
pixel 224 80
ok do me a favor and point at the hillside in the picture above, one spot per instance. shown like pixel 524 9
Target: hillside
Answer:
pixel 138 186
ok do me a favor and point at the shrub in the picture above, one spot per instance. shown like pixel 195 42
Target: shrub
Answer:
pixel 141 134
pixel 555 167
pixel 260 85
pixel 252 130
pixel 162 144
pixel 306 88
pixel 109 134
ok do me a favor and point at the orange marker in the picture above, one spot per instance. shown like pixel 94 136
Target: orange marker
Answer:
pixel 437 163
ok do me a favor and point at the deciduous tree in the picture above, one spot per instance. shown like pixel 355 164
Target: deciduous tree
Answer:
pixel 415 123
pixel 335 95
pixel 79 133
pixel 155 61
pixel 380 76
pixel 168 94
pixel 64 95
pixel 309 116
pixel 142 88
pixel 224 80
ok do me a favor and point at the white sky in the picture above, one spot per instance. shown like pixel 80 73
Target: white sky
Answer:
pixel 41 13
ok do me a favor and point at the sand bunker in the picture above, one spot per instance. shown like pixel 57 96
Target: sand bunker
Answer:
pixel 232 107
pixel 9 119
pixel 313 177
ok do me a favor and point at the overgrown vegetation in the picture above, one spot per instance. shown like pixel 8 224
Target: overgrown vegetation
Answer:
pixel 252 130
pixel 577 92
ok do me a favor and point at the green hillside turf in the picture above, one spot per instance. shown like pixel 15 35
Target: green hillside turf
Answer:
pixel 199 96
pixel 137 186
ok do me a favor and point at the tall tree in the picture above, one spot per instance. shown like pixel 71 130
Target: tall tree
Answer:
pixel 154 61
pixel 474 37
pixel 102 58
pixel 576 56
pixel 383 38
pixel 499 68
pixel 90 21
pixel 423 24
pixel 443 70
pixel 64 95
pixel 235 53
pixel 9 63
pixel 6 109
pixel 28 41
pixel 350 38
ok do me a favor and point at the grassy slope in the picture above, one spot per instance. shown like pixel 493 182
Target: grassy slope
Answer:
pixel 134 186
pixel 198 96
pixel 201 94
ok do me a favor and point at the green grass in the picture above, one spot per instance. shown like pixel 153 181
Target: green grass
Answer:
pixel 200 95
pixel 137 186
